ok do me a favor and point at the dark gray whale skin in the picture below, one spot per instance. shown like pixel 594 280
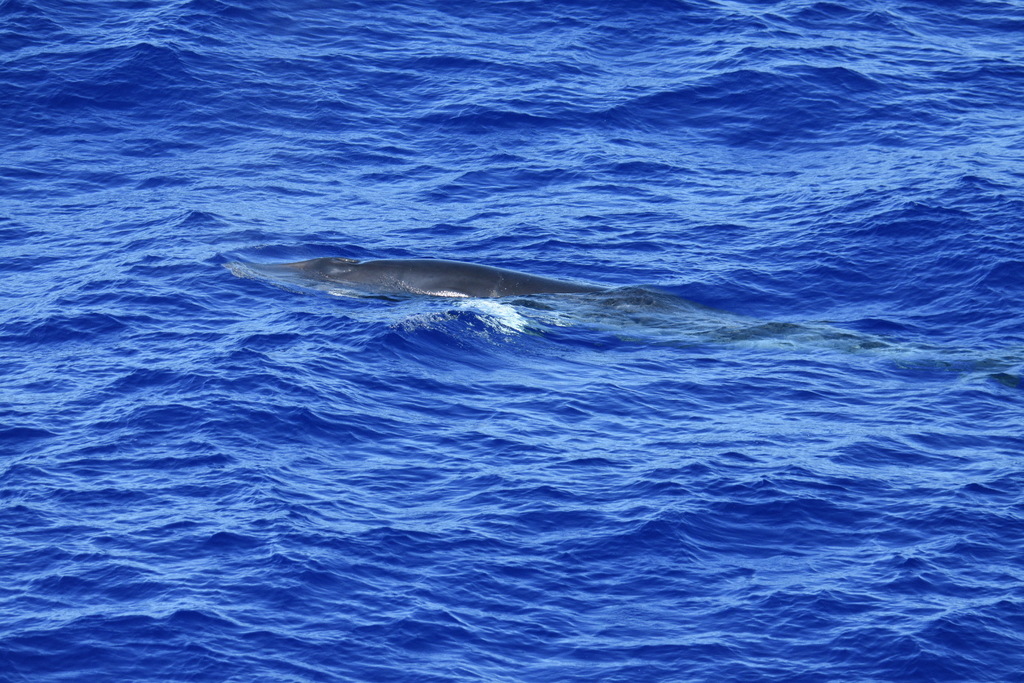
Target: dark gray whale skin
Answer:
pixel 433 277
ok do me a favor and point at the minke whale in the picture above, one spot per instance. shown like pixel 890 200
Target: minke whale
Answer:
pixel 432 277
pixel 634 312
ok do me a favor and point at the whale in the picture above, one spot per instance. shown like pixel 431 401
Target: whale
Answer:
pixel 634 312
pixel 430 277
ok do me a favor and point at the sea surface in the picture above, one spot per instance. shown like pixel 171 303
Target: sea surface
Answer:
pixel 785 442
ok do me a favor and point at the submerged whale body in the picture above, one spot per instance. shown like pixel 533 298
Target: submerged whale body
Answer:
pixel 433 277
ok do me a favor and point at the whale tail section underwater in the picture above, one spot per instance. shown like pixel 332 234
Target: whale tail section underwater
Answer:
pixel 633 313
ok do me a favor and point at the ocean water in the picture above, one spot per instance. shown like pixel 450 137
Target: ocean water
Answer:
pixel 785 443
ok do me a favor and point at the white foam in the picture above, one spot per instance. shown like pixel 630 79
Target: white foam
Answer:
pixel 501 315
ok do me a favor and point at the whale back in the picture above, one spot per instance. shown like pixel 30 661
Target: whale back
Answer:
pixel 434 277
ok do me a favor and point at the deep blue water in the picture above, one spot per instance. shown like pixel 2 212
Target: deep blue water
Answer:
pixel 812 473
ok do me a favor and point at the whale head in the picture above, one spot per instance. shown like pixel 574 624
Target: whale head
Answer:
pixel 333 269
